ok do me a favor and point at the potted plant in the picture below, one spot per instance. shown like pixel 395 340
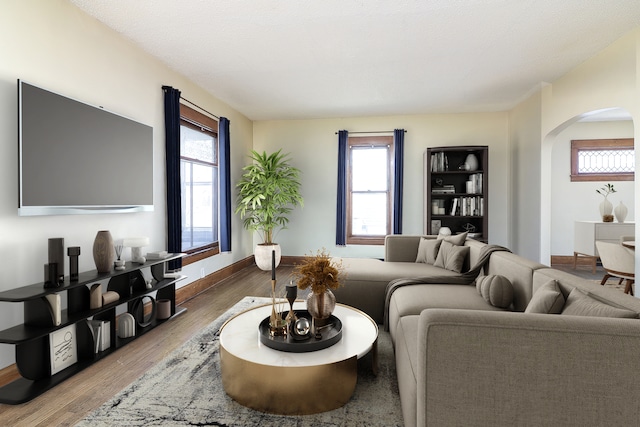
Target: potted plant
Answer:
pixel 322 274
pixel 267 193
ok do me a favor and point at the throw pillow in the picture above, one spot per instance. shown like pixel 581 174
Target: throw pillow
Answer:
pixel 458 239
pixel 451 257
pixel 580 304
pixel 548 299
pixel 496 290
pixel 428 250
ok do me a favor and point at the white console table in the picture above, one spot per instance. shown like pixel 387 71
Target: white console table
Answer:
pixel 587 232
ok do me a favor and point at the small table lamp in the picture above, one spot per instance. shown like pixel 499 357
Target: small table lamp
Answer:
pixel 136 244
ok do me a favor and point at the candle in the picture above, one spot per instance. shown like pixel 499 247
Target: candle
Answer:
pixel 273 265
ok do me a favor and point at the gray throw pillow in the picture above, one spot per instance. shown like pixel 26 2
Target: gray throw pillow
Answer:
pixel 548 299
pixel 451 257
pixel 428 250
pixel 580 304
pixel 496 290
pixel 458 239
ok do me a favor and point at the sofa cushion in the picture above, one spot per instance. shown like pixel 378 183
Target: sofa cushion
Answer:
pixel 428 250
pixel 548 299
pixel 496 290
pixel 580 304
pixel 451 257
pixel 411 300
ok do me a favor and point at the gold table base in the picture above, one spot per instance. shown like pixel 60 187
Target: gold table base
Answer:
pixel 288 390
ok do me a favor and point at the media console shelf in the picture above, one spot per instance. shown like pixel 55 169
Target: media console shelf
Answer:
pixel 32 338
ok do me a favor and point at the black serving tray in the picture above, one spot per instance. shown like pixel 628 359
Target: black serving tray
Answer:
pixel 331 333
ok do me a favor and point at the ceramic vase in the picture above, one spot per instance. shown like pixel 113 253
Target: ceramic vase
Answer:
pixel 321 305
pixel 621 212
pixel 103 253
pixel 471 162
pixel 606 210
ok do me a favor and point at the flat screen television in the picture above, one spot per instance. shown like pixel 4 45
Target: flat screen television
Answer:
pixel 75 158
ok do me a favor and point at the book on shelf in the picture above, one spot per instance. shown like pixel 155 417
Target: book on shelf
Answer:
pixel 439 162
pixel 454 206
pixel 157 255
pixel 467 206
pixel 474 184
pixel 445 189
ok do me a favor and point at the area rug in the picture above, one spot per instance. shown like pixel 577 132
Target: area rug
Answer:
pixel 185 389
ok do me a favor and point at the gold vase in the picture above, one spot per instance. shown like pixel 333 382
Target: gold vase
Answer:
pixel 321 305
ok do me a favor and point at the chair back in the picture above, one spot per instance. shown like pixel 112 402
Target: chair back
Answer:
pixel 616 259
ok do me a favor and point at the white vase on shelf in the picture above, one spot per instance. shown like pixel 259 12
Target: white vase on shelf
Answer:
pixel 471 162
pixel 621 212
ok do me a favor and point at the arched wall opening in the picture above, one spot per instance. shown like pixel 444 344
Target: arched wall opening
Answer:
pixel 563 202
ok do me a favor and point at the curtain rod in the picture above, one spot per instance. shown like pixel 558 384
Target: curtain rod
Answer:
pixel 199 107
pixel 375 131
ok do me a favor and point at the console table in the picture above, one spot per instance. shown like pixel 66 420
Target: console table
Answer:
pixel 587 232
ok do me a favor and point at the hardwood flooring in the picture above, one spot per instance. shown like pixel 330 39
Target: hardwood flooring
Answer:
pixel 70 401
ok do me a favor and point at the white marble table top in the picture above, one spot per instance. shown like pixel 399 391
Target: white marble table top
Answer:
pixel 240 337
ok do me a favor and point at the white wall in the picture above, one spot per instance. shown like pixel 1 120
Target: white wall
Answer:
pixel 608 80
pixel 524 144
pixel 313 148
pixel 52 44
pixel 578 201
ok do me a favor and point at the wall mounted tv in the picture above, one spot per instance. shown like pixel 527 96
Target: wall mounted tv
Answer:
pixel 75 158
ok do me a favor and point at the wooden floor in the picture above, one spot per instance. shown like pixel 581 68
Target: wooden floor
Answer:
pixel 70 401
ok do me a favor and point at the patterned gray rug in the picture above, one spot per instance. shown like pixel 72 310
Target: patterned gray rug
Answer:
pixel 185 389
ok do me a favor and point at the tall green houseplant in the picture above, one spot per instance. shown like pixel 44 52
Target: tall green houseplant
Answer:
pixel 267 193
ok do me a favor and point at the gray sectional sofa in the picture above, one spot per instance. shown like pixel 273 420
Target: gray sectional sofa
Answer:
pixel 546 355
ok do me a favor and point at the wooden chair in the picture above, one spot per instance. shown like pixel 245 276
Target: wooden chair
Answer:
pixel 619 262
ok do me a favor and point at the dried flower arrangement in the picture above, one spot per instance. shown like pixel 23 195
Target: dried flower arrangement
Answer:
pixel 318 272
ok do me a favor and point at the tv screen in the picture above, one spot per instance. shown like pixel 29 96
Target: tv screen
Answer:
pixel 75 158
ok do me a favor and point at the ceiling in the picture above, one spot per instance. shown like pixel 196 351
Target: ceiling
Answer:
pixel 297 59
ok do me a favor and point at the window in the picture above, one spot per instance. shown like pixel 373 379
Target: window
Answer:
pixel 369 183
pixel 198 184
pixel 602 160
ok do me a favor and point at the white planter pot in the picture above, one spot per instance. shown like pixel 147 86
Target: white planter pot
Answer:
pixel 263 254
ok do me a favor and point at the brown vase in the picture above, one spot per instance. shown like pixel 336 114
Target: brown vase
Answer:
pixel 321 305
pixel 103 254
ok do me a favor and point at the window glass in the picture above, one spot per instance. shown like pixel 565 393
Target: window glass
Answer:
pixel 606 161
pixel 369 169
pixel 199 186
pixel 369 214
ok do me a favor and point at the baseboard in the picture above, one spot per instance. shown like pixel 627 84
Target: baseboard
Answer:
pixel 291 260
pixel 568 260
pixel 196 287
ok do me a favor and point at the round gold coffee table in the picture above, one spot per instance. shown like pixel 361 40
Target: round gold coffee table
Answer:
pixel 290 383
